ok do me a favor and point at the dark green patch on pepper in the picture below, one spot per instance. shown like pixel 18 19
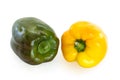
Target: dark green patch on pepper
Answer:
pixel 34 41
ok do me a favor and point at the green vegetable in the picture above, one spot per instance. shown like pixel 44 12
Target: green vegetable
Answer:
pixel 34 41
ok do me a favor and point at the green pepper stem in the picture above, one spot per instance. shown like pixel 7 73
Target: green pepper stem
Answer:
pixel 44 47
pixel 80 45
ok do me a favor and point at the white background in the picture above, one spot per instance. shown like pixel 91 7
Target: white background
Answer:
pixel 60 14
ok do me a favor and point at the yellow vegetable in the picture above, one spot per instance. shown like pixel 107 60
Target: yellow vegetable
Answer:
pixel 85 43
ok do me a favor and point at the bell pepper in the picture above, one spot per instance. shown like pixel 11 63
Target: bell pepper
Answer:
pixel 84 43
pixel 34 41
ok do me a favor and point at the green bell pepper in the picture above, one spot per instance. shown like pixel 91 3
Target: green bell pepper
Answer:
pixel 34 41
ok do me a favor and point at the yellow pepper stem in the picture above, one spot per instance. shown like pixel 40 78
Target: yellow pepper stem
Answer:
pixel 80 45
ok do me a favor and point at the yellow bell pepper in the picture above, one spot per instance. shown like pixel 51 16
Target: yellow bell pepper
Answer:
pixel 85 43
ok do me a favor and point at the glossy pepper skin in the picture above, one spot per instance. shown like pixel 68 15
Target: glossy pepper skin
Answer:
pixel 85 43
pixel 34 41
